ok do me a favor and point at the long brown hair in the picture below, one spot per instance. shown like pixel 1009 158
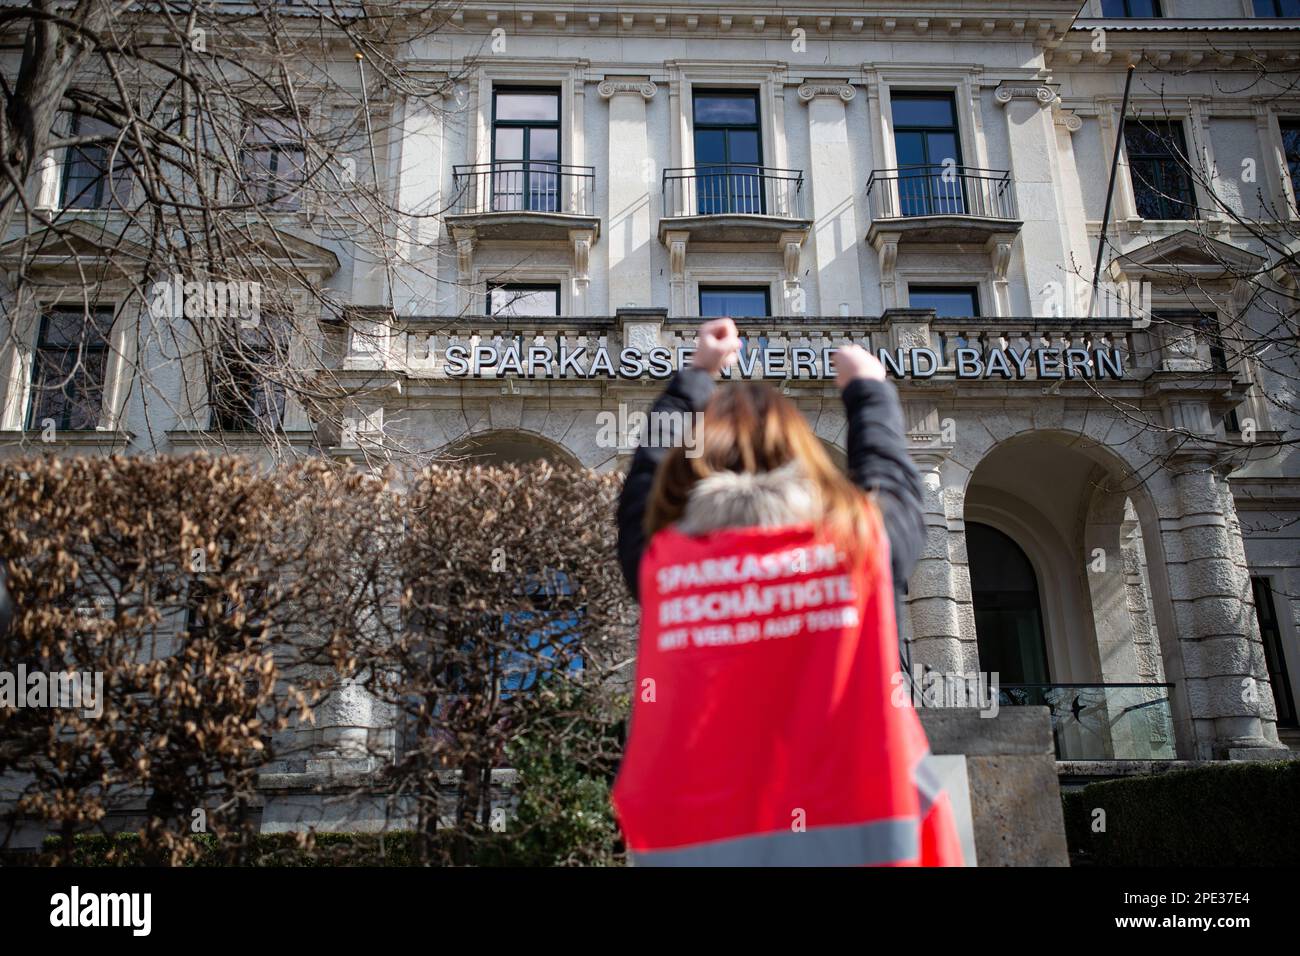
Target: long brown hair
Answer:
pixel 750 427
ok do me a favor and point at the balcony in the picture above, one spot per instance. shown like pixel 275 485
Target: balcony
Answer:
pixel 733 203
pixel 1102 721
pixel 942 204
pixel 522 200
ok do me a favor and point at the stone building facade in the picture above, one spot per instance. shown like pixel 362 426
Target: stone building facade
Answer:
pixel 602 176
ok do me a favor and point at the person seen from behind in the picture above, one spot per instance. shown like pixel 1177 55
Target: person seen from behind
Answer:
pixel 764 729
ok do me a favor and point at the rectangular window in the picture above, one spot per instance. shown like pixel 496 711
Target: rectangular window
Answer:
pixel 728 152
pixel 1270 631
pixel 1277 8
pixel 523 299
pixel 273 159
pixel 69 368
pixel 525 149
pixel 1291 147
pixel 87 183
pixel 246 389
pixel 734 301
pixel 928 148
pixel 948 301
pixel 1157 159
pixel 1130 8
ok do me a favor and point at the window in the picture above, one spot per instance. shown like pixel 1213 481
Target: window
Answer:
pixel 245 389
pixel 522 299
pixel 1157 162
pixel 1206 327
pixel 273 160
pixel 1291 146
pixel 741 301
pixel 1130 8
pixel 525 150
pixel 948 301
pixel 1008 617
pixel 1270 631
pixel 928 149
pixel 1277 8
pixel 728 153
pixel 69 368
pixel 87 183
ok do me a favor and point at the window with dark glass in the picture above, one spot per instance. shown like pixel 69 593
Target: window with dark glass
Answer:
pixel 1008 615
pixel 1207 329
pixel 1130 8
pixel 1270 632
pixel 1277 8
pixel 728 152
pixel 948 301
pixel 1157 160
pixel 246 386
pixel 1291 147
pixel 525 149
pixel 736 301
pixel 88 182
pixel 273 160
pixel 928 147
pixel 523 299
pixel 69 368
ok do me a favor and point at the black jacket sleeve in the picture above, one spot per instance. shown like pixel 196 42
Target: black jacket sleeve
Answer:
pixel 688 391
pixel 879 463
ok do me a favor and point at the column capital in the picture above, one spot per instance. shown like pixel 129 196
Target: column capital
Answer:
pixel 810 91
pixel 610 88
pixel 1043 94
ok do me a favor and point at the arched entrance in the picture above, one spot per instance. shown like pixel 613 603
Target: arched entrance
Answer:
pixel 1008 608
pixel 501 447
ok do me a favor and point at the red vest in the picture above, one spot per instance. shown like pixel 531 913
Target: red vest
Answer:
pixel 763 730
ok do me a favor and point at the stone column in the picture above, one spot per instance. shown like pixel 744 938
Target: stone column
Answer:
pixel 630 177
pixel 834 186
pixel 939 593
pixel 1226 690
pixel 1032 134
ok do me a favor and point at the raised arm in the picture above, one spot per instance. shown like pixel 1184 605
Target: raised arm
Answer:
pixel 688 391
pixel 878 459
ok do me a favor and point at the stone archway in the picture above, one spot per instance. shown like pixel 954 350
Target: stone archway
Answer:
pixel 507 446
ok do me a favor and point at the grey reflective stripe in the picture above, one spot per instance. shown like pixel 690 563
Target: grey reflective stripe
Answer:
pixel 928 784
pixel 857 844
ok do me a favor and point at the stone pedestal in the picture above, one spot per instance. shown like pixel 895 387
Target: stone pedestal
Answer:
pixel 1014 796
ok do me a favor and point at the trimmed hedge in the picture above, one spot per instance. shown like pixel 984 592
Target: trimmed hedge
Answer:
pixel 1244 814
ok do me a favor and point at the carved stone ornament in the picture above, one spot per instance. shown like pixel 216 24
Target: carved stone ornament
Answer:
pixel 1043 94
pixel 610 88
pixel 810 91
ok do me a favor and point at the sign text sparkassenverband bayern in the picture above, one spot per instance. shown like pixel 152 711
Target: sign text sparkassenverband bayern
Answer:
pixel 799 362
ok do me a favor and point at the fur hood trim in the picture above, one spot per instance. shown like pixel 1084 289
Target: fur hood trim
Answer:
pixel 770 499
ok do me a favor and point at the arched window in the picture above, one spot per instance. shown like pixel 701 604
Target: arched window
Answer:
pixel 1008 616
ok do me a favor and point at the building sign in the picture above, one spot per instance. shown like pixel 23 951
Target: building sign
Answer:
pixel 799 362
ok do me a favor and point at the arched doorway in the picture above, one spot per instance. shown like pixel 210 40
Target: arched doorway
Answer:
pixel 502 447
pixel 1008 611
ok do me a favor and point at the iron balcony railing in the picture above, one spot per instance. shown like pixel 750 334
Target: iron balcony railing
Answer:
pixel 522 186
pixel 1102 721
pixel 941 190
pixel 730 189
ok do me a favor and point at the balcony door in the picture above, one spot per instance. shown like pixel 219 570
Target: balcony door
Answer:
pixel 728 153
pixel 928 147
pixel 526 150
